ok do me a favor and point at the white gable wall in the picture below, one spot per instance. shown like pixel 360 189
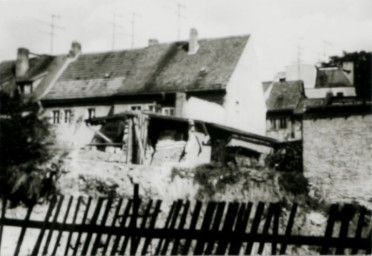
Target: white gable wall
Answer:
pixel 245 103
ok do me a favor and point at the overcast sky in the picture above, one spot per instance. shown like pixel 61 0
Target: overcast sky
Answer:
pixel 281 30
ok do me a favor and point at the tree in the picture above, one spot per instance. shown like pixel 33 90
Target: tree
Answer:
pixel 24 149
pixel 362 70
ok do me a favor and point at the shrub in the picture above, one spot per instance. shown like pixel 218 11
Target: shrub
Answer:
pixel 24 138
pixel 287 157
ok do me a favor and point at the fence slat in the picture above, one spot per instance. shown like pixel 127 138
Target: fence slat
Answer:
pixel 172 225
pixel 240 227
pixel 167 221
pixel 35 251
pixel 92 224
pixel 358 232
pixel 265 230
pixel 23 231
pixel 122 224
pixel 52 226
pixel 56 245
pixel 207 220
pixel 151 226
pixel 333 212
pixel 132 224
pixel 231 215
pixel 120 202
pixel 255 224
pixel 3 210
pixel 73 223
pixel 103 223
pixel 289 227
pixel 369 245
pixel 277 213
pixel 194 221
pixel 77 244
pixel 181 226
pixel 134 217
pixel 143 225
pixel 347 213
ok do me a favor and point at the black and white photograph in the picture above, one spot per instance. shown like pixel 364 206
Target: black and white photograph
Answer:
pixel 185 127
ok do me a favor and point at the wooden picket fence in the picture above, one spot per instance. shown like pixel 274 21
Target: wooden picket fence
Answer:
pixel 133 227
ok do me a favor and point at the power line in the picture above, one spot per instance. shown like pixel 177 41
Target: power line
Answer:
pixel 53 26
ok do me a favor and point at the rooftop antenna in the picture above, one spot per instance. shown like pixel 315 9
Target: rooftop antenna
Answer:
pixel 179 16
pixel 133 21
pixel 53 26
pixel 114 26
pixel 325 43
pixel 299 53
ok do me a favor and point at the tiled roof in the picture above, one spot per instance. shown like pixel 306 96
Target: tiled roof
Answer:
pixel 340 102
pixel 265 85
pixel 285 95
pixel 37 66
pixel 156 68
pixel 328 78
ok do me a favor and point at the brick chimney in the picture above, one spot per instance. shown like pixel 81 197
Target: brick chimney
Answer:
pixel 75 50
pixel 22 63
pixel 193 41
pixel 153 41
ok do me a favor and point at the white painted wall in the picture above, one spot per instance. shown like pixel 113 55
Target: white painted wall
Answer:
pixel 245 103
pixel 199 109
pixel 76 133
pixel 318 93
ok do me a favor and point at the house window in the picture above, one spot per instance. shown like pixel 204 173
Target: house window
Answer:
pixel 135 108
pixel 91 113
pixel 168 111
pixel 152 108
pixel 68 116
pixel 273 123
pixel 56 116
pixel 283 123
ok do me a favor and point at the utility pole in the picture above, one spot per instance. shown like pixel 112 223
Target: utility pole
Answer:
pixel 52 26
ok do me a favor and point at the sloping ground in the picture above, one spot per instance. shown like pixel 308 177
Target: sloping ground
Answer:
pixel 95 173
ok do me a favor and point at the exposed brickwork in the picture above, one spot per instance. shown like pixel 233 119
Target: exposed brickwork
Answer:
pixel 338 157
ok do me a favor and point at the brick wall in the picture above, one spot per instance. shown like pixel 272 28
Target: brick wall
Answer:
pixel 337 156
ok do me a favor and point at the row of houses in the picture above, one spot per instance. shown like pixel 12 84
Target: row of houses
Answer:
pixel 197 101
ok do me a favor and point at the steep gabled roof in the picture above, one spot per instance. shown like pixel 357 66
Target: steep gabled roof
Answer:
pixel 285 95
pixel 153 69
pixel 328 78
pixel 265 85
pixel 37 66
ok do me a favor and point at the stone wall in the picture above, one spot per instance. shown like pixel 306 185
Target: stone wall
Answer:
pixel 338 159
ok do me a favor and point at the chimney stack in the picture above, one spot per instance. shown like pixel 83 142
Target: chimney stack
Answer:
pixel 22 63
pixel 153 41
pixel 193 41
pixel 75 50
